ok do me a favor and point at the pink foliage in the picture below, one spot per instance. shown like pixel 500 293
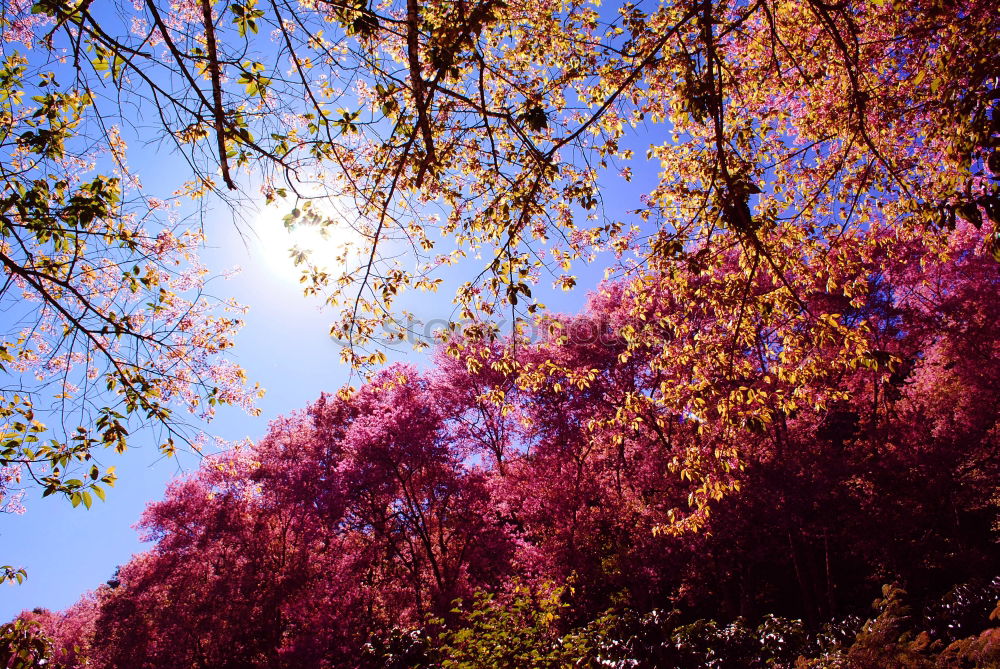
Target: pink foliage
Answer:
pixel 370 510
pixel 10 496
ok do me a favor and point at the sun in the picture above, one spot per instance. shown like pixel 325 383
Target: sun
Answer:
pixel 277 245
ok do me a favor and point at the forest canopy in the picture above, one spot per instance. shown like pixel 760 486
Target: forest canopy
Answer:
pixel 793 348
pixel 457 518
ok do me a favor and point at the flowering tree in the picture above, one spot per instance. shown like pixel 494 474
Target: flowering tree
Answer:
pixel 798 340
pixel 790 141
pixel 774 126
pixel 776 130
pixel 353 517
pixel 334 538
pixel 106 322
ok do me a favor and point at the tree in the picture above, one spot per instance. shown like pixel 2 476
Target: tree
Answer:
pixel 349 519
pixel 518 632
pixel 807 153
pixel 554 466
pixel 777 130
pixel 23 645
pixel 107 323
pixel 797 355
pixel 769 120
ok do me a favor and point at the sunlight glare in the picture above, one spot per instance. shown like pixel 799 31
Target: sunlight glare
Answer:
pixel 276 244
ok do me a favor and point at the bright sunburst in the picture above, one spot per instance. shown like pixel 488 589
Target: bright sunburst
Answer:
pixel 279 246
